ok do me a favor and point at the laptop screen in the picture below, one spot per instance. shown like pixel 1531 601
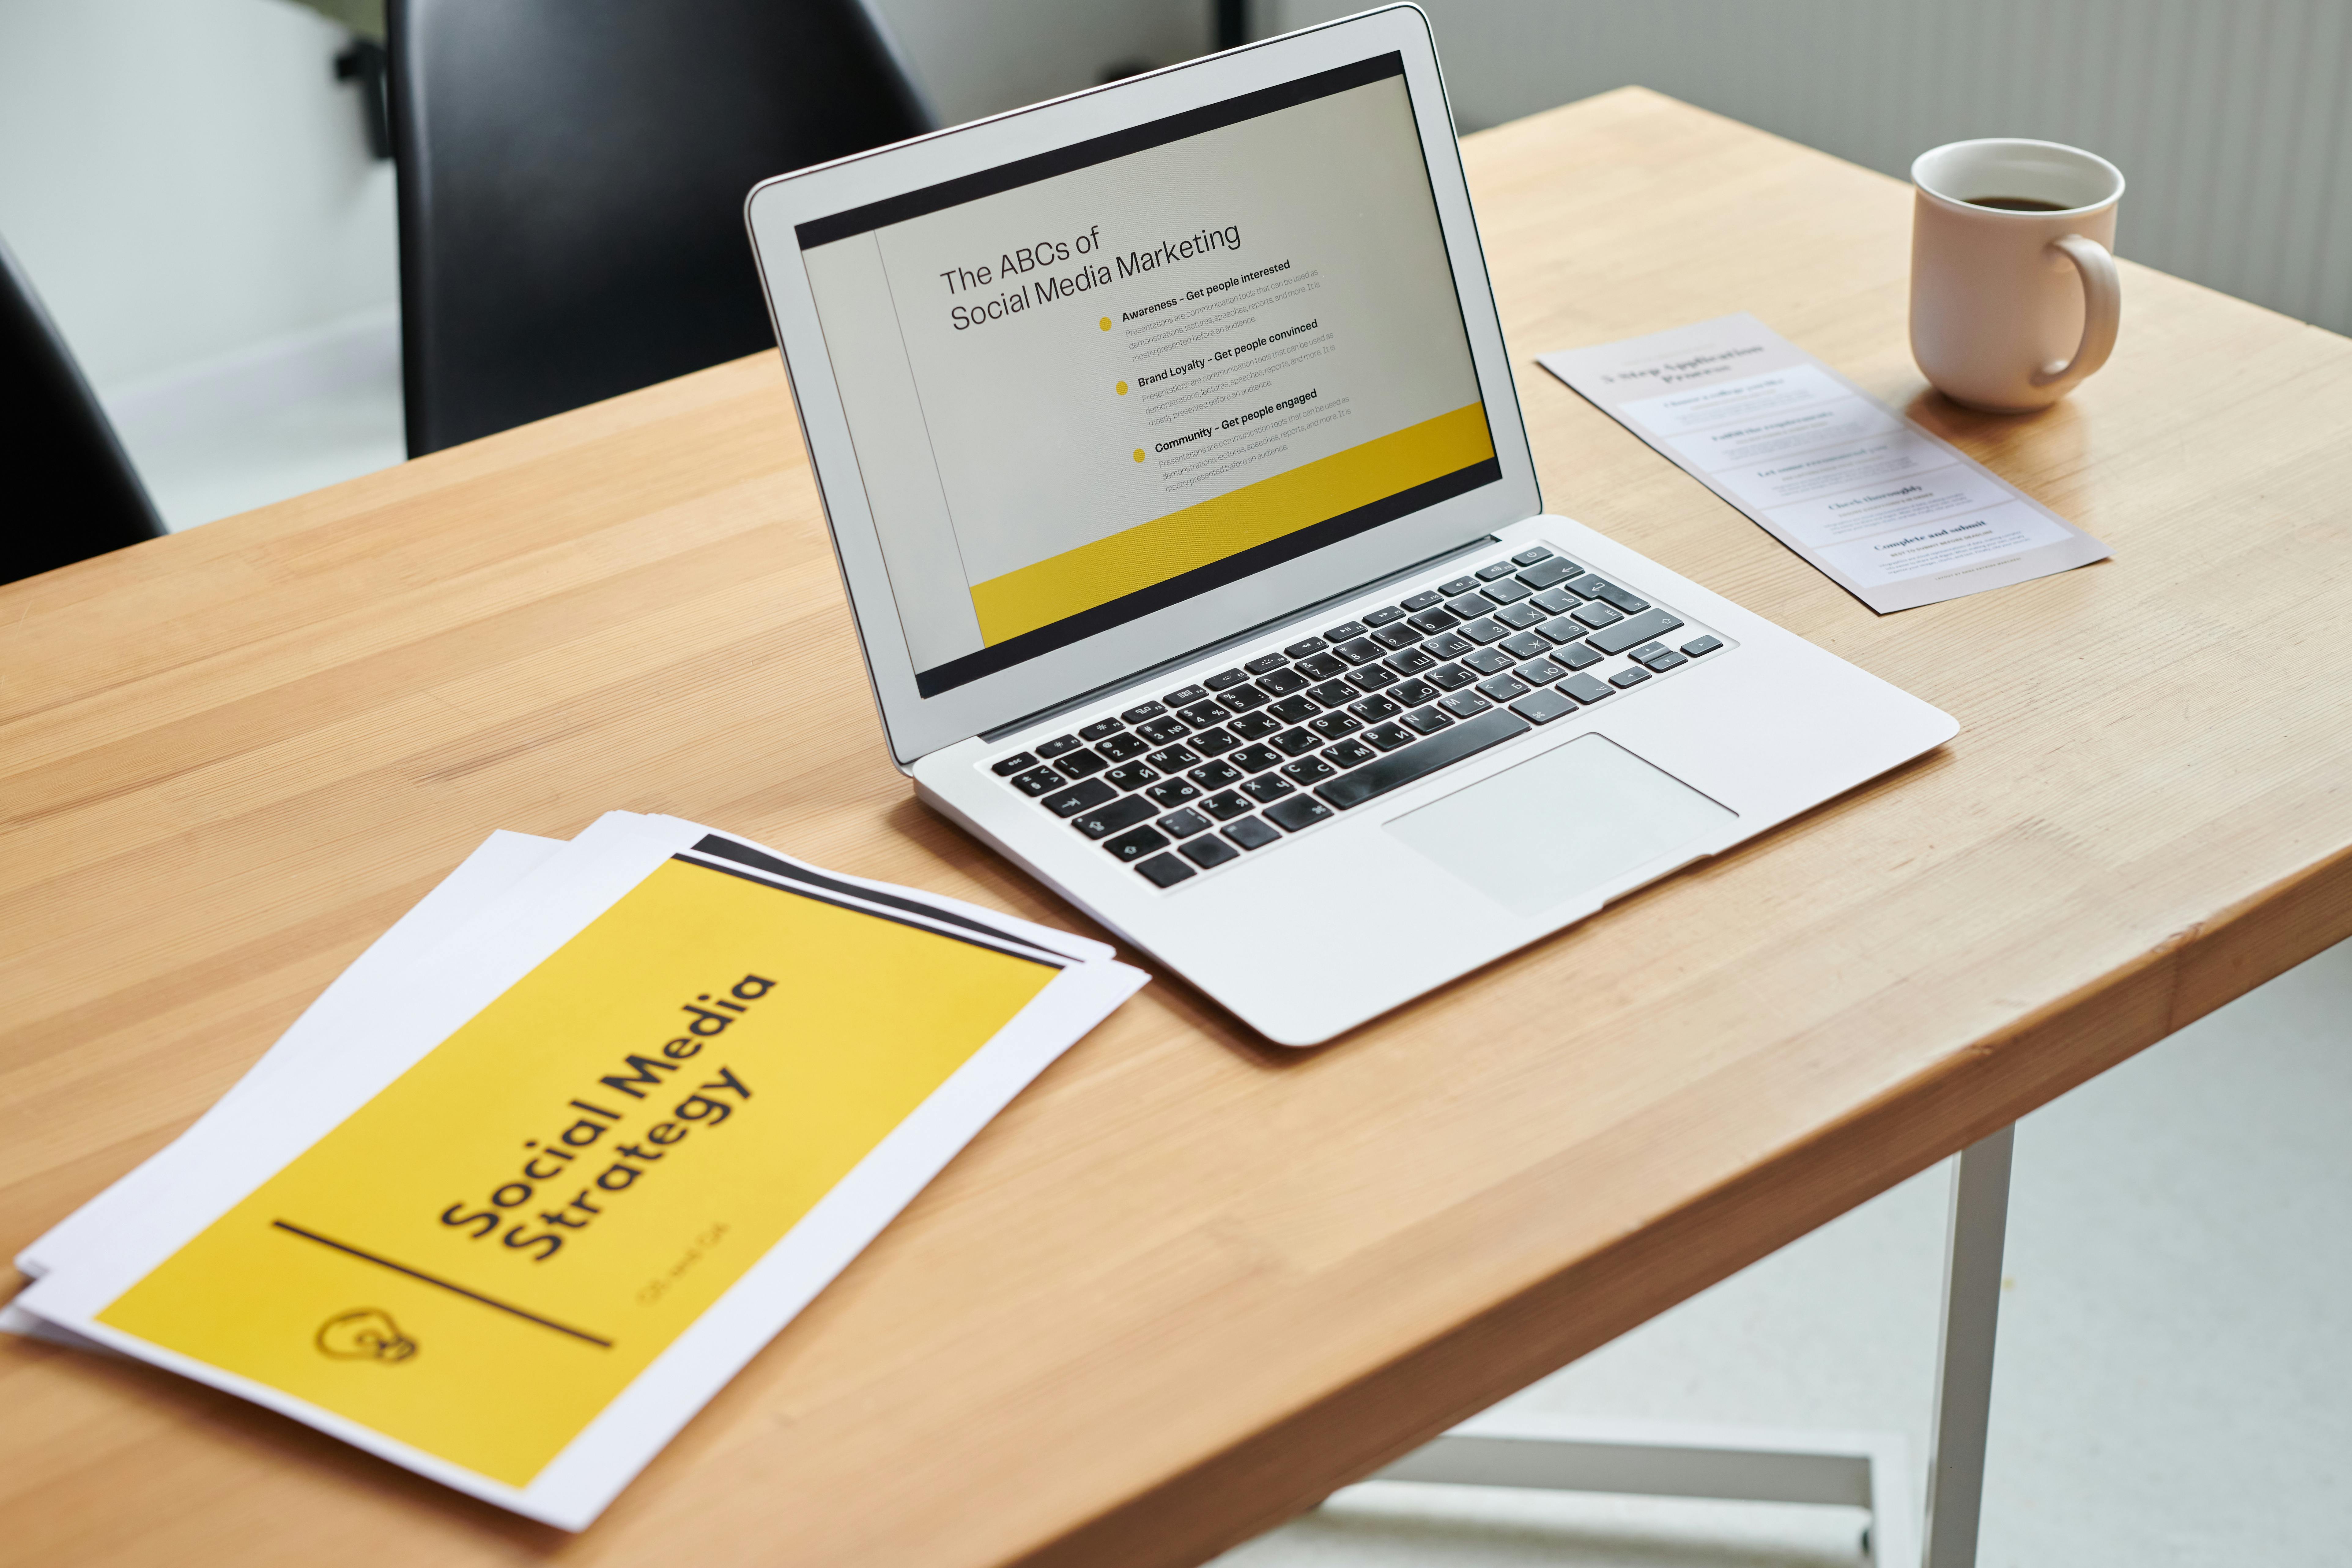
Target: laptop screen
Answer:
pixel 1092 384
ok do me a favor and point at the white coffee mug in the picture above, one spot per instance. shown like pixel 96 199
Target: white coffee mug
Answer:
pixel 2014 296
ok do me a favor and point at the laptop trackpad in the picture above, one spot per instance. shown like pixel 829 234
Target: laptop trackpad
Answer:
pixel 1560 825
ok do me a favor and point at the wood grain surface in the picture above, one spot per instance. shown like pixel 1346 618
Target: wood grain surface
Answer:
pixel 1186 1285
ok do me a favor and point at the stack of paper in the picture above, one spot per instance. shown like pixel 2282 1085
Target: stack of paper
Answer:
pixel 537 1174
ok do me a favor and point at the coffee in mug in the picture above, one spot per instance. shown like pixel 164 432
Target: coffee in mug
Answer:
pixel 2014 294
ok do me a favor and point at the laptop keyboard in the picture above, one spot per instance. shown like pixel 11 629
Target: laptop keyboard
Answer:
pixel 1228 769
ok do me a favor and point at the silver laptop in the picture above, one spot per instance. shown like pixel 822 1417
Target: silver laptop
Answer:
pixel 1168 442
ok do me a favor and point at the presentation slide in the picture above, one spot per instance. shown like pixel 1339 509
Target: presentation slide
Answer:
pixel 1084 396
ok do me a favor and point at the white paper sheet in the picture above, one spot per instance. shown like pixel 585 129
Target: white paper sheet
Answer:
pixel 1887 511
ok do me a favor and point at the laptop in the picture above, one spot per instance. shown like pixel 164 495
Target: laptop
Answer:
pixel 1168 443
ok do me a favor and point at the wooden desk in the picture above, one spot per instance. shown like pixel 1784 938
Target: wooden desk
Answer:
pixel 1185 1286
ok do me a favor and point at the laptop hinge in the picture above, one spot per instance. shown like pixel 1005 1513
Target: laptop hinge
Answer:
pixel 1309 612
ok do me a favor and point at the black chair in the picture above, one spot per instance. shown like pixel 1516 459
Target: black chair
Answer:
pixel 571 185
pixel 75 492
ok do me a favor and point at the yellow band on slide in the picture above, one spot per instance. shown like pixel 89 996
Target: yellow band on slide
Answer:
pixel 1061 585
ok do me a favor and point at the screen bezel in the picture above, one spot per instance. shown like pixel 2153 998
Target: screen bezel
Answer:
pixel 916 724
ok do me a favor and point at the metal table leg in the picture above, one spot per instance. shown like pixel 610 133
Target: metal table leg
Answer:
pixel 1862 1469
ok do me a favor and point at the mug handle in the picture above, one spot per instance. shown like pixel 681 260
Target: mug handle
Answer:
pixel 2103 308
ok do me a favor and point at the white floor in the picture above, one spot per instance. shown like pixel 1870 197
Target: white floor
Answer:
pixel 2174 1384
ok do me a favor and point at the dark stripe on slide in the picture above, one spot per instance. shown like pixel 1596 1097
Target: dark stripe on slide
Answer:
pixel 760 881
pixel 743 854
pixel 444 1284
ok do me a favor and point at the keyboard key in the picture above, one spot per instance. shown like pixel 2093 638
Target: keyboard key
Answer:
pixel 1165 870
pixel 1555 600
pixel 1161 730
pixel 1119 748
pixel 1266 787
pixel 1382 617
pixel 1428 721
pixel 1296 814
pixel 1540 672
pixel 1304 646
pixel 1422 759
pixel 1509 591
pixel 1649 624
pixel 1447 645
pixel 1201 715
pixel 1207 852
pixel 1214 775
pixel 1331 726
pixel 1372 677
pixel 1631 675
pixel 1184 697
pixel 1388 737
pixel 1526 645
pixel 1488 661
pixel 1254 726
pixel 1423 599
pixel 1584 688
pixel 1663 660
pixel 1281 682
pixel 1337 634
pixel 1307 770
pixel 1174 759
pixel 1137 715
pixel 1215 742
pixel 1485 629
pixel 1501 688
pixel 1057 745
pixel 1171 792
pixel 1116 817
pixel 1530 556
pixel 1294 743
pixel 1459 585
pixel 1429 622
pixel 1349 754
pixel 1599 588
pixel 1699 646
pixel 1542 707
pixel 1518 617
pixel 1266 662
pixel 1403 634
pixel 1182 824
pixel 1249 832
pixel 1545 573
pixel 1369 709
pixel 1040 780
pixel 1099 728
pixel 1242 698
pixel 1254 759
pixel 1296 709
pixel 1576 655
pixel 1224 678
pixel 1567 628
pixel 1493 569
pixel 1408 660
pixel 1468 607
pixel 1079 763
pixel 1333 694
pixel 1320 666
pixel 1225 805
pixel 1449 678
pixel 1597 614
pixel 1018 763
pixel 1464 704
pixel 1069 802
pixel 1642 655
pixel 1412 692
pixel 1134 776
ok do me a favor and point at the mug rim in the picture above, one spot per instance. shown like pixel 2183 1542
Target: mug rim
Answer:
pixel 1959 204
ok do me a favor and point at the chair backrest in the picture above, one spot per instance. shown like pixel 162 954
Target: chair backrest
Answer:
pixel 73 491
pixel 571 185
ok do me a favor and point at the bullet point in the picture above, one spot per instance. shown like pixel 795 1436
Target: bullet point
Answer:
pixel 1106 323
pixel 1138 454
pixel 1122 389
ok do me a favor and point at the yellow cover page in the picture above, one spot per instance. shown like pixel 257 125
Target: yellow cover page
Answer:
pixel 483 1257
